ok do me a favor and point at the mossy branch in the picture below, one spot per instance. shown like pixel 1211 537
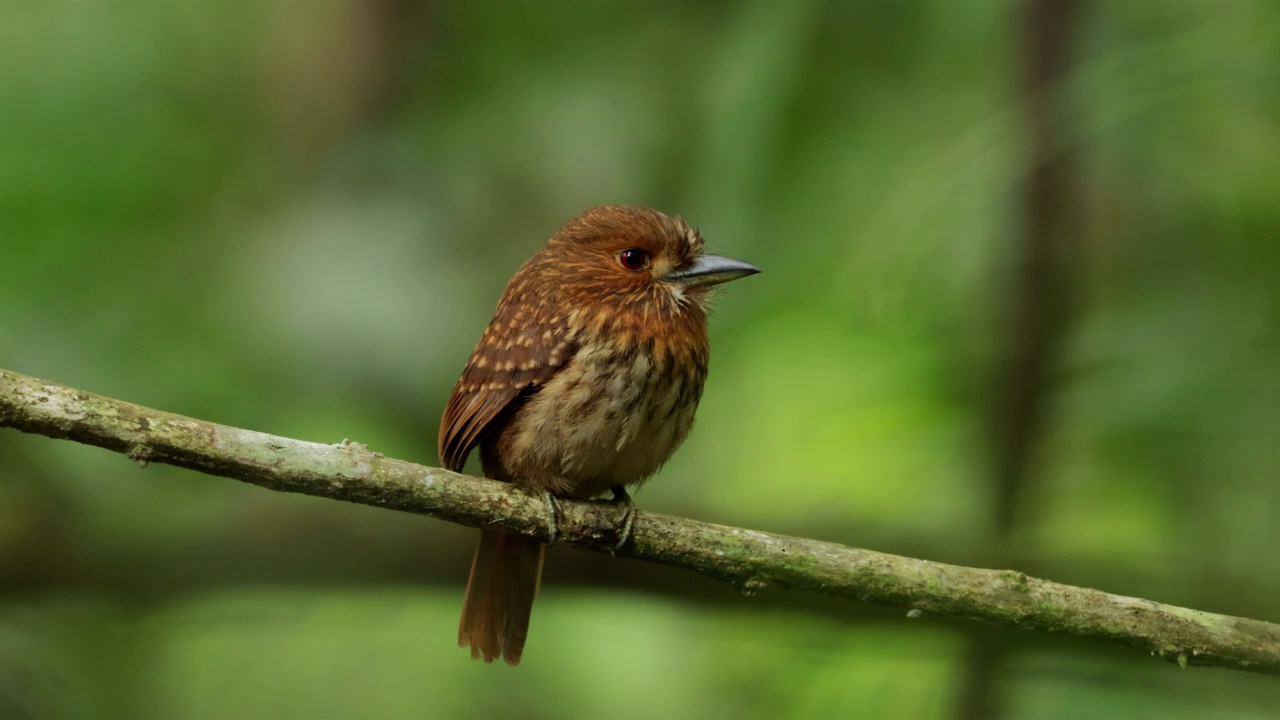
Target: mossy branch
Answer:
pixel 749 559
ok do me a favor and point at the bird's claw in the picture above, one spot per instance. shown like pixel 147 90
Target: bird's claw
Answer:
pixel 553 512
pixel 620 497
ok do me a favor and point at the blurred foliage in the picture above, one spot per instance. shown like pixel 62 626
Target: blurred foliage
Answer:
pixel 296 218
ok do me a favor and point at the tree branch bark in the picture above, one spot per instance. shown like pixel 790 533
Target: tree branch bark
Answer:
pixel 752 560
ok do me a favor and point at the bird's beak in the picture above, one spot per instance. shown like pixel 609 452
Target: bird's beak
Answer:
pixel 710 270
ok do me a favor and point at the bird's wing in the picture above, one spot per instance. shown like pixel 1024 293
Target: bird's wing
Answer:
pixel 523 347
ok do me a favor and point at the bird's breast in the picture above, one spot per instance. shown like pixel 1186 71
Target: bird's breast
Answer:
pixel 612 415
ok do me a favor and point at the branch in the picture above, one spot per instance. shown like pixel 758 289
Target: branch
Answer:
pixel 752 560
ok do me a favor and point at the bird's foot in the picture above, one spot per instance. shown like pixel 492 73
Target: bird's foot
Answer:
pixel 553 513
pixel 620 497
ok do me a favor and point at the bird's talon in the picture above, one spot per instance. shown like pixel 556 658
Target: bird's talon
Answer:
pixel 553 511
pixel 620 497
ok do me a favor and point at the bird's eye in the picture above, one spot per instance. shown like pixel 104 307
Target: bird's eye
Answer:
pixel 634 259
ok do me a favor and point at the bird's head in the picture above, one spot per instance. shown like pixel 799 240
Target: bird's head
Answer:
pixel 628 256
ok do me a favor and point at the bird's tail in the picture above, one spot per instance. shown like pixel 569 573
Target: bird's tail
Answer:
pixel 500 592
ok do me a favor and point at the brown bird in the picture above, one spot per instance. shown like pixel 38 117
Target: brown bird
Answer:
pixel 586 380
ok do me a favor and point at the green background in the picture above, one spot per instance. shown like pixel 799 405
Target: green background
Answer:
pixel 297 218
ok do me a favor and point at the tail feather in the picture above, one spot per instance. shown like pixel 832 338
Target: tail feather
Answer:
pixel 500 592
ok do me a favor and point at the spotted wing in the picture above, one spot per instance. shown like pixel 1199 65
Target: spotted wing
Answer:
pixel 520 350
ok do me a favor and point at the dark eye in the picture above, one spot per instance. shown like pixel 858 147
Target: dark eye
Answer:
pixel 634 259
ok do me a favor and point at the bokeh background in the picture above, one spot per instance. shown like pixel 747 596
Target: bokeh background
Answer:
pixel 1020 308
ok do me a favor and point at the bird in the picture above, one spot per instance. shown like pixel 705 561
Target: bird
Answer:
pixel 586 380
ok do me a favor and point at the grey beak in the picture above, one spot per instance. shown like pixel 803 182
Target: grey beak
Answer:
pixel 710 270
